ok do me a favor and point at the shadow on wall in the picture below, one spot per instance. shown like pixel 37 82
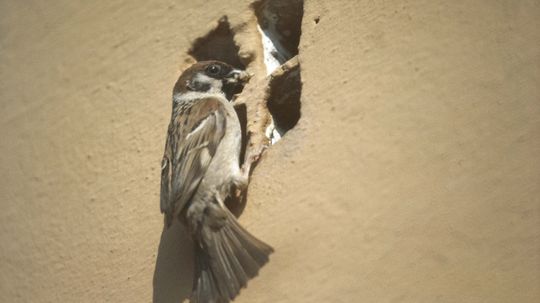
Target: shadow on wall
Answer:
pixel 219 45
pixel 174 266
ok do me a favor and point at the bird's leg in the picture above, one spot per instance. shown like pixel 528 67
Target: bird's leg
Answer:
pixel 253 158
pixel 241 180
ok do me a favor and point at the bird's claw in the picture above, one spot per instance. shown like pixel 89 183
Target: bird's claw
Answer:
pixel 256 156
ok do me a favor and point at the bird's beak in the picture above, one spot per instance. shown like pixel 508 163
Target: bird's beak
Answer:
pixel 238 76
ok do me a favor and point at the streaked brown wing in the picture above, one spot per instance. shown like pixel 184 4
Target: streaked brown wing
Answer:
pixel 193 136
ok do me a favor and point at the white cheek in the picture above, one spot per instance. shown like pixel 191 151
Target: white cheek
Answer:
pixel 215 84
pixel 202 78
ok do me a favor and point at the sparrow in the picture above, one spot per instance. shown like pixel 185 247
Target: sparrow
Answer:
pixel 200 169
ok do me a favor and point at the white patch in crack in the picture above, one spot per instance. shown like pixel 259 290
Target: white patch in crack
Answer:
pixel 269 49
pixel 272 133
pixel 274 55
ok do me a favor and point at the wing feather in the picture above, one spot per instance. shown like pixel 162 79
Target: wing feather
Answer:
pixel 193 137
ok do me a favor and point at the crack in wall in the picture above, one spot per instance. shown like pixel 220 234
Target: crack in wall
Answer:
pixel 279 24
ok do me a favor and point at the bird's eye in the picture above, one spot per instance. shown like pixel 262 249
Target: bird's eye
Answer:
pixel 213 69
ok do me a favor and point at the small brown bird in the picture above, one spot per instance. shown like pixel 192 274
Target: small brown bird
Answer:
pixel 200 169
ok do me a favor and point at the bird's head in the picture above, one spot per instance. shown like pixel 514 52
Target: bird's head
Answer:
pixel 211 77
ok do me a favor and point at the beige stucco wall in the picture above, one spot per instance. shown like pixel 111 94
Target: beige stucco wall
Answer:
pixel 412 176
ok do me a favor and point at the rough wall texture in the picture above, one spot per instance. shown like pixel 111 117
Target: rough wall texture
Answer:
pixel 412 176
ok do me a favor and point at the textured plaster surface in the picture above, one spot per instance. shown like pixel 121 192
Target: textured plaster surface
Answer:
pixel 412 176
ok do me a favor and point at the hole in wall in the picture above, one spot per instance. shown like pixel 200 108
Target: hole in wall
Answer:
pixel 284 100
pixel 279 23
pixel 218 44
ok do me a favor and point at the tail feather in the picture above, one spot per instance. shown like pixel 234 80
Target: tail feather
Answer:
pixel 226 259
